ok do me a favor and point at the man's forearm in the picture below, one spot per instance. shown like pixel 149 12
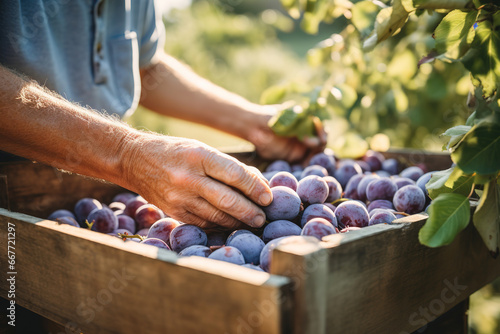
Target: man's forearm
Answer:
pixel 172 89
pixel 41 126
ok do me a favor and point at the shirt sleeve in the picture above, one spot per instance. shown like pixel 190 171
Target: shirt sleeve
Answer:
pixel 152 40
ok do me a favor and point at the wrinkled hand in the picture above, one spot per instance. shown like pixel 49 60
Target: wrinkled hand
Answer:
pixel 271 146
pixel 195 183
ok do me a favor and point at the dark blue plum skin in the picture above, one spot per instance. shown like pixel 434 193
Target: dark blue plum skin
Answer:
pixel 380 204
pixel 364 166
pixel 298 175
pixel 330 206
pixel 251 266
pixel 409 199
pixel 228 254
pixel 269 175
pixel 318 211
pixel 391 166
pixel 143 232
pixel 127 223
pixel 104 220
pixel 324 160
pixel 374 160
pixel 249 245
pixel 234 234
pixel 132 205
pixel 285 204
pixel 279 166
pixel 318 228
pixel 217 238
pixel 147 214
pixel 284 179
pixel 352 213
pixel 422 181
pixel 162 229
pixel 345 170
pixel 363 183
pixel 381 217
pixel 196 250
pixel 68 221
pixel 123 197
pixel 402 181
pixel 382 173
pixel 187 235
pixel 334 189
pixel 84 207
pixel 155 242
pixel 314 170
pixel 412 172
pixel 382 188
pixel 351 189
pixel 313 189
pixel 61 213
pixel 278 229
pixel 297 168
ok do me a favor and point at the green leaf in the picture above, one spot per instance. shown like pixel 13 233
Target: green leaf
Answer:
pixel 455 33
pixel 457 130
pixel 389 22
pixel 437 182
pixel 293 7
pixel 479 150
pixel 296 121
pixel 471 120
pixel 273 94
pixel 451 180
pixel 442 4
pixel 482 60
pixel 448 215
pixel 364 14
pixel 484 179
pixel 487 217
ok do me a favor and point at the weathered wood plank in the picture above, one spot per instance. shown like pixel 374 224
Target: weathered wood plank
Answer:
pixel 37 189
pixel 452 322
pixel 387 282
pixel 100 284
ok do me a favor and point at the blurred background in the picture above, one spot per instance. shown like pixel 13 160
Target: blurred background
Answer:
pixel 380 99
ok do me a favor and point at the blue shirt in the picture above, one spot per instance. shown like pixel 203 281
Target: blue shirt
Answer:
pixel 89 51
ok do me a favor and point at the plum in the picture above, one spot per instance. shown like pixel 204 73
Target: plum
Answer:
pixel 278 229
pixel 285 204
pixel 313 189
pixel 352 213
pixel 318 228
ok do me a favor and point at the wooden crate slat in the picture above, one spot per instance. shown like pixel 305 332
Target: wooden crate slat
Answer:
pixel 62 271
pixel 387 282
pixel 37 189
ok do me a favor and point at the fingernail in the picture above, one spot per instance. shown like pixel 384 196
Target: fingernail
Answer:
pixel 258 221
pixel 265 199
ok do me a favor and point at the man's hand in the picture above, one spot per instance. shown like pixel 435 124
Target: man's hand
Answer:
pixel 195 183
pixel 172 89
pixel 189 180
pixel 271 146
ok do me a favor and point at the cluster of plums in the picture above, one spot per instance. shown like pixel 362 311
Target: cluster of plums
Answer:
pixel 327 196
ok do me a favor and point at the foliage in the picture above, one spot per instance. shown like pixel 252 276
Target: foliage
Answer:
pixel 466 32
pixel 240 53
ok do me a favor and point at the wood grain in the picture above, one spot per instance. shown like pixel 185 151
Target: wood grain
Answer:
pixel 381 280
pixel 100 284
pixel 37 189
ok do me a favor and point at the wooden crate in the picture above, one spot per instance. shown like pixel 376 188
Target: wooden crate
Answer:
pixel 375 280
